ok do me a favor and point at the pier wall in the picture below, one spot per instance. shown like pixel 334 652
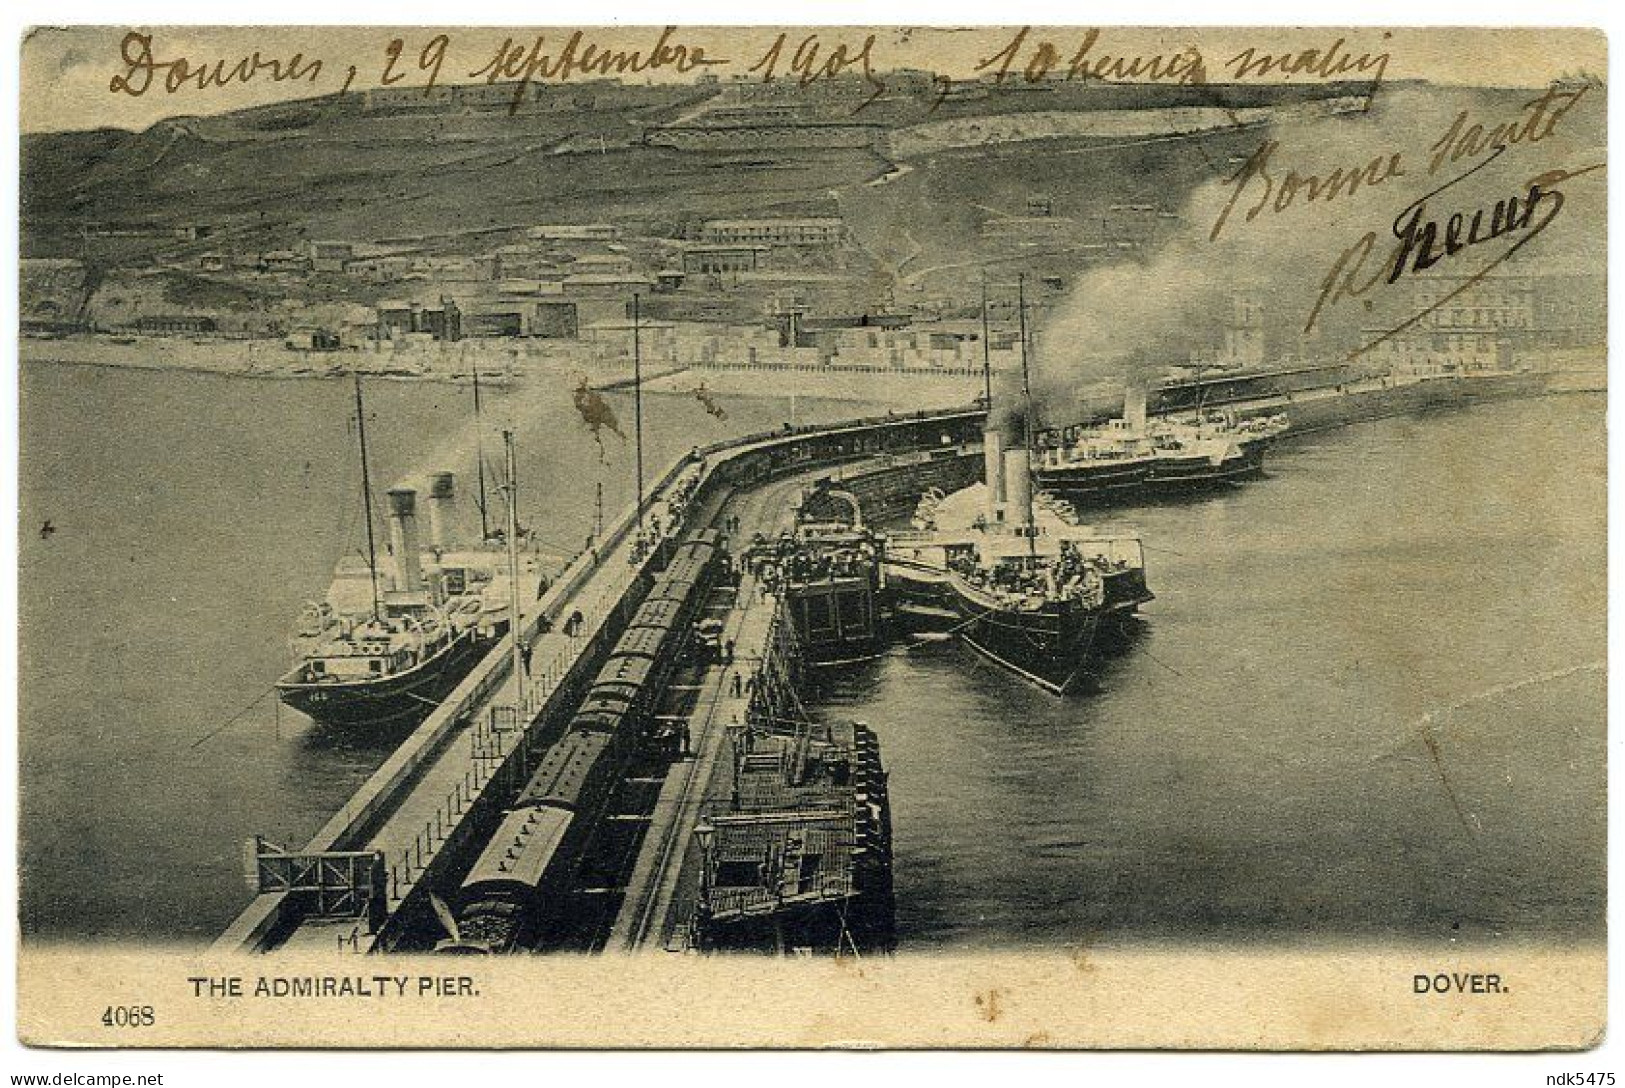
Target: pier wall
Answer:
pixel 888 492
pixel 1323 395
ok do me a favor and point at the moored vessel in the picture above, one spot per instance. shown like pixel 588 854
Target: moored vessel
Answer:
pixel 830 576
pixel 1011 574
pixel 1035 593
pixel 386 645
pixel 1133 457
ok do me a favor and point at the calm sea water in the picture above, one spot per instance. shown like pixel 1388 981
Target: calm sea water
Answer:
pixel 1368 699
pixel 1261 764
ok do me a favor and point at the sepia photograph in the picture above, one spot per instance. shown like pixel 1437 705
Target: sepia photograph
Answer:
pixel 1048 537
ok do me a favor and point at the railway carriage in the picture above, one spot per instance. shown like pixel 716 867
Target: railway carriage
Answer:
pixel 516 887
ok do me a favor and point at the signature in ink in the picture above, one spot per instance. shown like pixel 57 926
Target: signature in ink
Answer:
pixel 1423 239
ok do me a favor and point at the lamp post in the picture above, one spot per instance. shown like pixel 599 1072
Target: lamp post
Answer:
pixel 704 831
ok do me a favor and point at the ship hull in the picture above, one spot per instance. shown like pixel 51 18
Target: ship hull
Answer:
pixel 1180 474
pixel 1048 646
pixel 390 701
pixel 1095 482
pixel 837 620
pixel 1125 591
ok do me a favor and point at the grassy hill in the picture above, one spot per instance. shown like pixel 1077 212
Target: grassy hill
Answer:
pixel 270 176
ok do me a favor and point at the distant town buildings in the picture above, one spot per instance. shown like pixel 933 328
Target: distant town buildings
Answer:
pixel 826 231
pixel 786 287
pixel 285 261
pixel 1479 328
pixel 177 324
pixel 1569 310
pixel 53 292
pixel 790 133
pixel 183 232
pixel 331 256
pixel 575 232
pixel 719 259
pixel 1244 333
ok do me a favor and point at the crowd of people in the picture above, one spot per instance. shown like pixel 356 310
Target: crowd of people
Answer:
pixel 1071 575
pixel 789 559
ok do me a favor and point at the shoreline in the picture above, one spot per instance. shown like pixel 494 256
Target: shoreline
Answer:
pixel 269 360
pixel 499 368
pixel 1571 370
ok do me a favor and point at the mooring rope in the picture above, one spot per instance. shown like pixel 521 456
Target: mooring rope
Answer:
pixel 229 722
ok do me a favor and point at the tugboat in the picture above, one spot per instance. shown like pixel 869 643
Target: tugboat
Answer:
pixel 377 655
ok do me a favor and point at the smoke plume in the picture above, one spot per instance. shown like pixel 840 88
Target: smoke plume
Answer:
pixel 1254 231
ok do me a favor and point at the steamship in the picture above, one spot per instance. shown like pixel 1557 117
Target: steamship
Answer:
pixel 1013 577
pixel 1210 449
pixel 377 671
pixel 387 645
pixel 1132 457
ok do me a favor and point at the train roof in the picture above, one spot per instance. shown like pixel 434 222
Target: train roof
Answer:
pixel 604 704
pixel 642 641
pixel 602 716
pixel 686 562
pixel 630 672
pixel 676 585
pixel 695 552
pixel 519 853
pixel 661 612
pixel 564 769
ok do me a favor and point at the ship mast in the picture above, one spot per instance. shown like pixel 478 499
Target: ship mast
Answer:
pixel 637 406
pixel 1030 424
pixel 479 451
pixel 512 490
pixel 987 353
pixel 366 497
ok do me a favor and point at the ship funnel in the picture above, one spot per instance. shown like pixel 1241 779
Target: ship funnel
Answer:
pixel 403 537
pixel 1017 483
pixel 442 506
pixel 993 473
pixel 1134 406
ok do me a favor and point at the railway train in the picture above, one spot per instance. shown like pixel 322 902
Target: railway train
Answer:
pixel 515 890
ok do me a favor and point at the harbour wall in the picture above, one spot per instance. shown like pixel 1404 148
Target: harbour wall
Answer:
pixel 889 491
pixel 1319 397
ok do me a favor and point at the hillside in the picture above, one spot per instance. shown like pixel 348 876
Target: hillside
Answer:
pixel 440 170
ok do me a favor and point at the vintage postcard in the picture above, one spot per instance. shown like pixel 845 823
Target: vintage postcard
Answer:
pixel 1050 537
